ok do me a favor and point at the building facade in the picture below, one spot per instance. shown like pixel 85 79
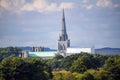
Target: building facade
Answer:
pixel 71 51
pixel 63 42
pixel 37 49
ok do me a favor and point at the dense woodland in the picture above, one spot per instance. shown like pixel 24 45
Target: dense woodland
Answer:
pixel 81 66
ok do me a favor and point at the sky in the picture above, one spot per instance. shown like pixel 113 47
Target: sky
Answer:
pixel 38 22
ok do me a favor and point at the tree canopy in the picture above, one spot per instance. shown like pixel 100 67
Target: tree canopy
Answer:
pixel 15 68
pixel 7 51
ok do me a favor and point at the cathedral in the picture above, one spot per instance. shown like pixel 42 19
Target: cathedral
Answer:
pixel 63 42
pixel 64 48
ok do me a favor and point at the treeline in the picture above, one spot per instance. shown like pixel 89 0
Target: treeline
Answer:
pixel 8 51
pixel 85 66
pixel 81 66
pixel 84 59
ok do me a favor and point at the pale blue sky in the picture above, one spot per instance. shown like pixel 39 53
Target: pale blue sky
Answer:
pixel 38 22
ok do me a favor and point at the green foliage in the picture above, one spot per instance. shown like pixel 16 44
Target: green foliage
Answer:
pixel 86 61
pixel 83 76
pixel 78 66
pixel 99 59
pixel 58 76
pixel 66 63
pixel 112 65
pixel 102 75
pixel 87 76
pixel 83 63
pixel 54 63
pixel 92 60
pixel 78 76
pixel 63 75
pixel 5 52
pixel 58 56
pixel 15 68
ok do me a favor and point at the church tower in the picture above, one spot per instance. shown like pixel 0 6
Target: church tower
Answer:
pixel 63 41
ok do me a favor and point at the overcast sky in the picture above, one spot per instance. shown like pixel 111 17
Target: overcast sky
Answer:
pixel 38 22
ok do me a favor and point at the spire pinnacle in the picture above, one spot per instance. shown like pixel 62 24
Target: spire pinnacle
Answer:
pixel 63 24
pixel 64 33
pixel 63 14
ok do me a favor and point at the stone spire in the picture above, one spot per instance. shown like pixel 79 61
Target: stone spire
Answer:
pixel 64 35
pixel 63 23
pixel 63 41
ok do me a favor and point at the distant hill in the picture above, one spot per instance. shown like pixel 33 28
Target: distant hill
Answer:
pixel 107 50
pixel 26 48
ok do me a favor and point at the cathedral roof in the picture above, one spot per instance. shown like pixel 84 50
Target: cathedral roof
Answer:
pixel 42 54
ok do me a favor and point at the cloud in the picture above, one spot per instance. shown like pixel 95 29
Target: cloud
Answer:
pixel 99 3
pixel 12 5
pixel 36 5
pixel 18 6
pixel 106 3
pixel 66 5
pixel 88 6
pixel 44 6
pixel 27 7
pixel 85 1
pixel 4 4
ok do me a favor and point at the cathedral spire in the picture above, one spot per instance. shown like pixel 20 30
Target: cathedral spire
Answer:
pixel 63 24
pixel 63 41
pixel 64 35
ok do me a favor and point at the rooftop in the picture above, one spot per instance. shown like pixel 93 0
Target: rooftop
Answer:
pixel 42 54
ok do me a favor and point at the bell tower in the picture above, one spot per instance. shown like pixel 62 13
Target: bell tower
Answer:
pixel 63 41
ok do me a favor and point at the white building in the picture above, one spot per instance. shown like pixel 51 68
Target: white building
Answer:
pixel 71 51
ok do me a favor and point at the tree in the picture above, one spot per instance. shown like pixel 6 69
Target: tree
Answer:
pixel 82 64
pixel 66 62
pixel 63 75
pixel 16 68
pixel 9 69
pixel 8 51
pixel 102 75
pixel 112 65
pixel 99 59
pixel 54 63
pixel 58 56
pixel 87 76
